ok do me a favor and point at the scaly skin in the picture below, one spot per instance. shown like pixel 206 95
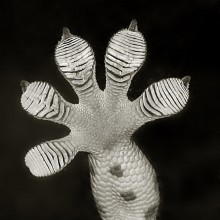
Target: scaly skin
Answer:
pixel 123 181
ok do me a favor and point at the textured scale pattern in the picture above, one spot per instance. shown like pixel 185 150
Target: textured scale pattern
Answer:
pixel 123 181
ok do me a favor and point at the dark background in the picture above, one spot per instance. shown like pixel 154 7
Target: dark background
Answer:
pixel 183 39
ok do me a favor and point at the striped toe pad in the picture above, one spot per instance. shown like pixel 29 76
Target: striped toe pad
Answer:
pixel 43 101
pixel 165 97
pixel 49 157
pixel 124 56
pixel 75 59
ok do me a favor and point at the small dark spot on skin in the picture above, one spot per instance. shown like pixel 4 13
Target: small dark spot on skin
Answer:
pixel 116 170
pixel 128 196
pixel 151 211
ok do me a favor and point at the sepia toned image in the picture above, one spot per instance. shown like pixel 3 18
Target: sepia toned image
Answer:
pixel 110 110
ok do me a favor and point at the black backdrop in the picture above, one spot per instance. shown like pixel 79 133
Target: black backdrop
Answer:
pixel 183 39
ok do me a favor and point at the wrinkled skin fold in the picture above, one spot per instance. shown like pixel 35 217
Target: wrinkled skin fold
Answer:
pixel 123 181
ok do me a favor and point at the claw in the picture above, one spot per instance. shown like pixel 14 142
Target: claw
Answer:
pixel 133 25
pixel 186 81
pixel 24 84
pixel 66 34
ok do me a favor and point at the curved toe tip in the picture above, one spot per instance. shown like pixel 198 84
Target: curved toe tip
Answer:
pixel 24 84
pixel 66 34
pixel 186 81
pixel 133 25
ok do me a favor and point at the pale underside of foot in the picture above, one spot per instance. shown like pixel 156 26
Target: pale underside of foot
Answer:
pixel 123 181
